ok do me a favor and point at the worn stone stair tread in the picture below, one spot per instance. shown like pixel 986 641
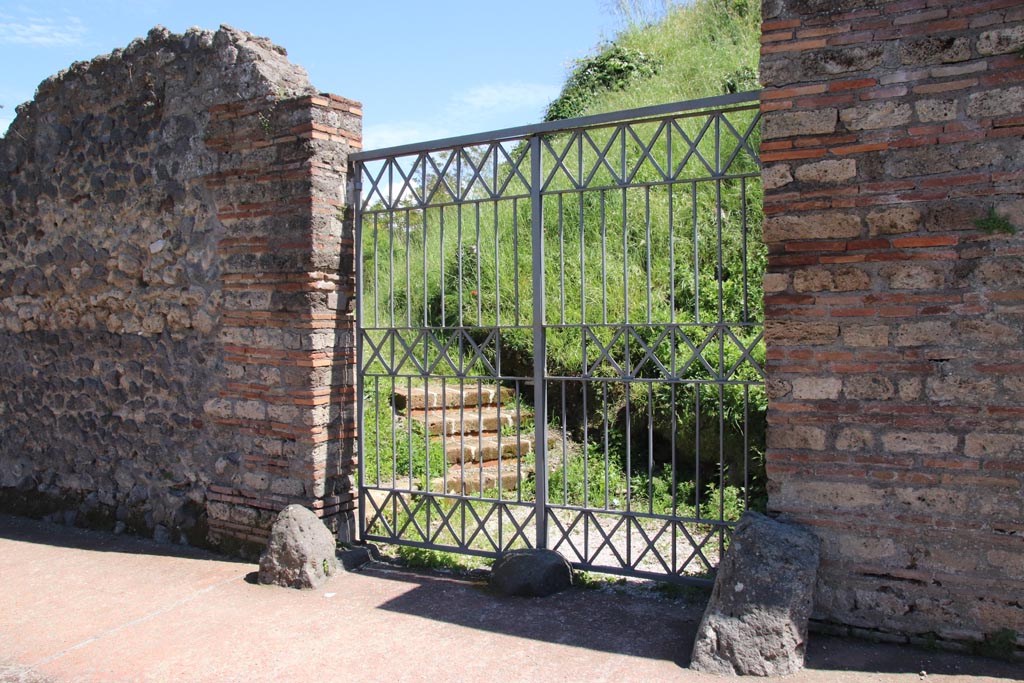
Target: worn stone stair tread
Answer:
pixel 467 479
pixel 484 447
pixel 469 420
pixel 420 398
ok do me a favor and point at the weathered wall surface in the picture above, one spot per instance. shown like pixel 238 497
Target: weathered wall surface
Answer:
pixel 159 206
pixel 894 323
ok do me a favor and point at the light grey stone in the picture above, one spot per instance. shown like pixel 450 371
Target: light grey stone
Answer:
pixel 301 552
pixel 756 620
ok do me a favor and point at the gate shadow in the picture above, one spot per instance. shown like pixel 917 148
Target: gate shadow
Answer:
pixel 654 627
pixel 605 621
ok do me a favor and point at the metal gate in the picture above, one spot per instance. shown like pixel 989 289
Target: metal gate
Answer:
pixel 560 338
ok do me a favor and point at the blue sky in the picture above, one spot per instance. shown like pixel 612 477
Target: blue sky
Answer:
pixel 422 70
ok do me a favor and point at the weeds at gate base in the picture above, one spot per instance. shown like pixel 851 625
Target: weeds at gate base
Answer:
pixel 1001 644
pixel 579 476
pixel 425 558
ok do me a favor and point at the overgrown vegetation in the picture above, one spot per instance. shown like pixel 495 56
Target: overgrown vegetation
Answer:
pixel 993 223
pixel 614 67
pixel 1001 644
pixel 686 253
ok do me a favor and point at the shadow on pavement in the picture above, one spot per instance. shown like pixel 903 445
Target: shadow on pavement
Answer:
pixel 650 627
pixel 831 653
pixel 29 530
pixel 600 620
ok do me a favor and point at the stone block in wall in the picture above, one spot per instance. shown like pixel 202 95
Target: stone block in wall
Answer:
pixel 787 124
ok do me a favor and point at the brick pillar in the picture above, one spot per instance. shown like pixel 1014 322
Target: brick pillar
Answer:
pixel 894 323
pixel 287 325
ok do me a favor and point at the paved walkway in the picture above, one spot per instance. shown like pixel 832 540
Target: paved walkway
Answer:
pixel 88 606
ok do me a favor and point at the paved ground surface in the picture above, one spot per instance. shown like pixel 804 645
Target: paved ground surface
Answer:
pixel 89 606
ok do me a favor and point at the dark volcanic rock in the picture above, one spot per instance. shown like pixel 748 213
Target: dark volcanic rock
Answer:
pixel 756 620
pixel 531 573
pixel 301 552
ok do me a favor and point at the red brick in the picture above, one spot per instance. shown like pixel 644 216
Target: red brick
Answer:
pixel 888 186
pixel 793 260
pixel 930 241
pixel 847 258
pixel 776 299
pixel 921 16
pixel 823 101
pixel 978 6
pixel 787 93
pixel 1009 121
pixel 797 46
pixel 860 149
pixel 856 312
pixel 1008 132
pixel 966 136
pixel 776 37
pixel 854 84
pixel 905 6
pixel 948 86
pixel 858 245
pixel 795 154
pixel 852 38
pixel 947 181
pixel 816 245
pixel 779 24
pixel 825 140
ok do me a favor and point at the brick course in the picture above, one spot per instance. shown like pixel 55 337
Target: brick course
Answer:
pixel 893 323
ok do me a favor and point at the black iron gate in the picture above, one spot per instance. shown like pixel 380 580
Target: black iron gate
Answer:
pixel 561 338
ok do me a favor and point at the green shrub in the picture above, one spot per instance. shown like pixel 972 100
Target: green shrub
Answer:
pixel 614 67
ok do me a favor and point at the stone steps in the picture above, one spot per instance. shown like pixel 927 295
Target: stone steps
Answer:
pixel 421 398
pixel 485 446
pixel 466 480
pixel 468 421
pixel 478 432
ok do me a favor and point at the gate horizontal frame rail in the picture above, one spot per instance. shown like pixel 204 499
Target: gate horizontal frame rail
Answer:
pixel 463 245
pixel 551 127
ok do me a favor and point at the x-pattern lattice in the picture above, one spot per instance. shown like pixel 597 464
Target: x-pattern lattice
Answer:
pixel 453 523
pixel 608 540
pixel 660 151
pixel 671 352
pixel 490 171
pixel 431 352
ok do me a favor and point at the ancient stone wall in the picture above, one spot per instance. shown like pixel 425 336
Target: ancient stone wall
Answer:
pixel 893 140
pixel 173 297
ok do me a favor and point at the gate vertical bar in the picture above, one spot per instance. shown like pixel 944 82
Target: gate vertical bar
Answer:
pixel 356 200
pixel 540 392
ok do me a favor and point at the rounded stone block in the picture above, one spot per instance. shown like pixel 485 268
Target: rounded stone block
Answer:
pixel 531 574
pixel 301 552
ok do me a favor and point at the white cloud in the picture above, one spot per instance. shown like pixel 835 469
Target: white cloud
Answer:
pixel 507 95
pixel 477 109
pixel 41 31
pixel 380 135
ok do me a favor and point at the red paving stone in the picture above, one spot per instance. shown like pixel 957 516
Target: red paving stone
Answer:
pixel 79 606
